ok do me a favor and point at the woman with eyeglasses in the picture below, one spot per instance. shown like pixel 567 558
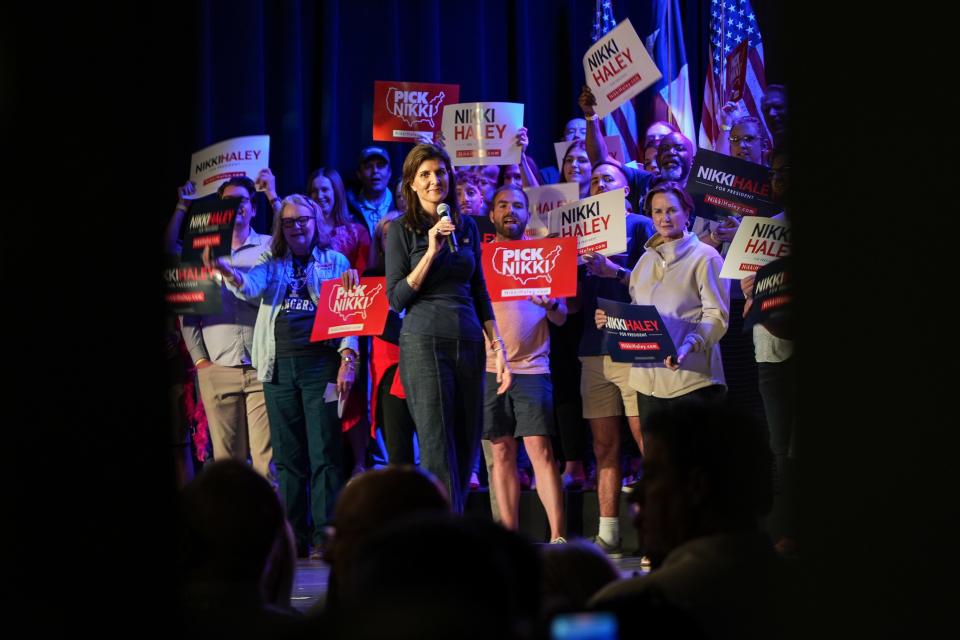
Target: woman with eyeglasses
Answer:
pixel 295 372
pixel 351 238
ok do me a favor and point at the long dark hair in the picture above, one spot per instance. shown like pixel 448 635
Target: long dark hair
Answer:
pixel 576 144
pixel 415 217
pixel 341 215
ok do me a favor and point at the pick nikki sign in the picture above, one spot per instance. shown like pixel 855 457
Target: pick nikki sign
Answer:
pixel 758 241
pixel 721 185
pixel 482 133
pixel 361 311
pixel 618 67
pixel 209 223
pixel 191 289
pixel 404 111
pixel 520 268
pixel 635 333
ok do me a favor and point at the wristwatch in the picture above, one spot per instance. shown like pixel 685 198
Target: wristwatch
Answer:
pixel 555 305
pixel 622 272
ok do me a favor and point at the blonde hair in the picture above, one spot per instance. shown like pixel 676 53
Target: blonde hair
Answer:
pixel 321 240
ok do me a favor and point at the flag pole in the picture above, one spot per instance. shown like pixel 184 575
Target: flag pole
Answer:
pixel 723 55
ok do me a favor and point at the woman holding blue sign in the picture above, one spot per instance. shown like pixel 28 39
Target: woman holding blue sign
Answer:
pixel 680 276
pixel 296 373
pixel 434 273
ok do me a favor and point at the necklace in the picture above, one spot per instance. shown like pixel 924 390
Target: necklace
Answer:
pixel 299 279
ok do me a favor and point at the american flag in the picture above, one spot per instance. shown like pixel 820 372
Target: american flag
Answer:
pixel 733 31
pixel 671 101
pixel 623 121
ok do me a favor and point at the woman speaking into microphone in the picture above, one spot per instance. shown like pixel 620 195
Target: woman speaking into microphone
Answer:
pixel 434 273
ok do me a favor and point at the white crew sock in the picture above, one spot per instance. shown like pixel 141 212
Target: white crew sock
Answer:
pixel 609 530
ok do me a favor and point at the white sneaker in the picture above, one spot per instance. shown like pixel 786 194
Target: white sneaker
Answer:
pixel 559 540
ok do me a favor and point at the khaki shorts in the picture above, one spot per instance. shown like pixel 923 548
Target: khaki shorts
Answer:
pixel 605 388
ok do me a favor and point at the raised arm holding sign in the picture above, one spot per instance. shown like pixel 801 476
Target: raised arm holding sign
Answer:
pixel 598 223
pixel 618 67
pixel 212 165
pixel 482 133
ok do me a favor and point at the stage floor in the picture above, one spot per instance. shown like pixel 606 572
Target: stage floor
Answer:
pixel 310 583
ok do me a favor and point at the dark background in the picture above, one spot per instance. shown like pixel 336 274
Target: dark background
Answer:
pixel 304 71
pixel 101 107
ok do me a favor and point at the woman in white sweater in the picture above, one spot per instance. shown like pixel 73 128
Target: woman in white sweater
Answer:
pixel 680 276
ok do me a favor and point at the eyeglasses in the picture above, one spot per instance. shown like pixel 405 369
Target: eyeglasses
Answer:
pixel 744 139
pixel 290 223
pixel 243 199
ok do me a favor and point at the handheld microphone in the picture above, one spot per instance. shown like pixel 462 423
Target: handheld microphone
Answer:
pixel 444 212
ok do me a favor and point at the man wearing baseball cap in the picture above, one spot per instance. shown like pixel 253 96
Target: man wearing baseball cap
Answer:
pixel 373 200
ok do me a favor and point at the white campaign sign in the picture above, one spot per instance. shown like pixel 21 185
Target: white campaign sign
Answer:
pixel 482 133
pixel 545 199
pixel 758 241
pixel 244 156
pixel 618 67
pixel 614 147
pixel 599 223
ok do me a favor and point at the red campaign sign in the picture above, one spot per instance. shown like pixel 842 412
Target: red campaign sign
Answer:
pixel 361 311
pixel 521 268
pixel 737 72
pixel 402 110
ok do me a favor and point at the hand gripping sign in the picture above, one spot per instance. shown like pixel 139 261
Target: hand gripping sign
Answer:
pixel 361 311
pixel 599 223
pixel 521 268
pixel 635 333
pixel 403 111
pixel 482 133
pixel 191 288
pixel 210 223
pixel 618 67
pixel 545 199
pixel 231 158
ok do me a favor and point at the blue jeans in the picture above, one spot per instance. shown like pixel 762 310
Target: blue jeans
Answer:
pixel 305 434
pixel 443 379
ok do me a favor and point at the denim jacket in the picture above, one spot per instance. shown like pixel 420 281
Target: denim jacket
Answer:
pixel 268 280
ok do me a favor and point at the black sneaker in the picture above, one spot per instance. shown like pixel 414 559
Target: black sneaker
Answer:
pixel 612 550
